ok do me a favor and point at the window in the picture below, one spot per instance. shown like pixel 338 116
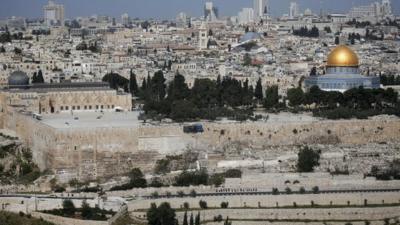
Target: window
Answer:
pixel 85 107
pixel 62 108
pixel 66 107
pixel 102 107
pixel 78 107
pixel 97 106
pixel 90 107
pixel 73 107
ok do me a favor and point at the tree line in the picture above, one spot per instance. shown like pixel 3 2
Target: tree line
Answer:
pixel 305 32
pixel 234 99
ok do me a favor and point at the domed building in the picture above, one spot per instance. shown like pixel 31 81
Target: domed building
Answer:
pixel 342 73
pixel 18 79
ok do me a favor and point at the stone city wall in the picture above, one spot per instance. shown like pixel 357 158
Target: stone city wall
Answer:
pixel 344 214
pixel 88 153
pixel 273 200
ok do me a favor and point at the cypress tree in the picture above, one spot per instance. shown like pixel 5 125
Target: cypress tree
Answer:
pixel 40 78
pixel 191 221
pixel 185 222
pixel 133 86
pixel 34 78
pixel 197 220
pixel 258 92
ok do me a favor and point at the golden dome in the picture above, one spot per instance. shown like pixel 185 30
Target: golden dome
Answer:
pixel 342 56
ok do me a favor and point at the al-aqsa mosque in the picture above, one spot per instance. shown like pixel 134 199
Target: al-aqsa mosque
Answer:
pixel 342 73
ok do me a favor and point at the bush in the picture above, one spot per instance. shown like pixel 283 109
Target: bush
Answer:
pixel 193 193
pixel 155 194
pixel 68 207
pixel 217 179
pixel 191 178
pixel 186 205
pixel 180 194
pixel 218 218
pixel 224 205
pixel 288 190
pixel 203 204
pixel 302 190
pixel 233 173
pixel 307 159
pixel 315 189
pixel 275 191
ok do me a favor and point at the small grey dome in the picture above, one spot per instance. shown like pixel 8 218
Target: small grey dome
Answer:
pixel 18 78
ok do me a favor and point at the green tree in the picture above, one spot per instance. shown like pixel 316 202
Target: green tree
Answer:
pixel 183 109
pixel 337 41
pixel 161 215
pixel 191 220
pixel 116 81
pixel 133 86
pixel 68 207
pixel 185 220
pixel 158 86
pixel 137 178
pixel 217 179
pixel 258 93
pixel 203 204
pixel 86 210
pixel 197 219
pixel 40 78
pixel 307 159
pixel 178 89
pixel 247 60
pixel 204 93
pixel 295 96
pixel 271 97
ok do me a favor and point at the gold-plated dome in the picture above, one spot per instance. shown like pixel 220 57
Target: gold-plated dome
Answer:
pixel 342 56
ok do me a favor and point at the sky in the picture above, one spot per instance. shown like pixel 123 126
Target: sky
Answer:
pixel 168 9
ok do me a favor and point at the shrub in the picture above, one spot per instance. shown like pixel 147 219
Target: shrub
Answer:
pixel 203 204
pixel 302 190
pixel 233 173
pixel 186 205
pixel 315 189
pixel 180 194
pixel 275 191
pixel 224 205
pixel 155 194
pixel 307 159
pixel 218 218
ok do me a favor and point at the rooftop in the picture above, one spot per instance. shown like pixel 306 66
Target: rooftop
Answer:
pixel 92 120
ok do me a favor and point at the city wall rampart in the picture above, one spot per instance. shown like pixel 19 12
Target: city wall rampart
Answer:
pixel 91 152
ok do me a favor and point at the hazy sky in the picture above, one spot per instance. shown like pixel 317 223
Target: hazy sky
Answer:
pixel 167 8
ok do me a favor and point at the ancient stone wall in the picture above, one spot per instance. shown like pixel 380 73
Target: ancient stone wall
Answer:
pixel 88 153
pixel 272 200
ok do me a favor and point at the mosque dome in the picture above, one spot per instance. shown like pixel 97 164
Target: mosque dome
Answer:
pixel 18 78
pixel 342 56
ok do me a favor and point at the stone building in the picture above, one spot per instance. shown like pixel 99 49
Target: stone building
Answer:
pixel 40 99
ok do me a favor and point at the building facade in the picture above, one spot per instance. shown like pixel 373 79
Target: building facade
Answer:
pixel 53 14
pixel 261 9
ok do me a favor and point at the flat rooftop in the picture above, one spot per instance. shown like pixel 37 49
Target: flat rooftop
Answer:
pixel 91 120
